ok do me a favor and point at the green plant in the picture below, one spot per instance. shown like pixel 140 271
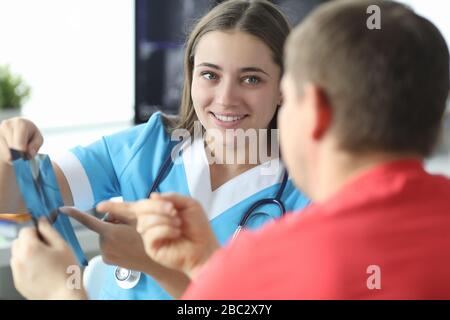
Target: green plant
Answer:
pixel 13 90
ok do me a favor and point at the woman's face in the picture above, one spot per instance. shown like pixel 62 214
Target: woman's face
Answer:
pixel 235 82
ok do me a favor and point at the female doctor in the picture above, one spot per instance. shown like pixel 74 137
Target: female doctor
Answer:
pixel 233 67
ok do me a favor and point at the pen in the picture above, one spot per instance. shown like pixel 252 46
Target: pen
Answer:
pixel 105 217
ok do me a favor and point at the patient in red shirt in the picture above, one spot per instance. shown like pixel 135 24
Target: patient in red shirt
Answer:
pixel 384 235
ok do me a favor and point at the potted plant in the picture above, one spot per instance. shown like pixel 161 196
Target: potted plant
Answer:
pixel 13 93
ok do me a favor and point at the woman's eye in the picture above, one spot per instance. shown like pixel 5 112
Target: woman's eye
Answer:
pixel 252 80
pixel 209 75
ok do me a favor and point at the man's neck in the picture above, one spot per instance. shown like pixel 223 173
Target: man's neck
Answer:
pixel 339 168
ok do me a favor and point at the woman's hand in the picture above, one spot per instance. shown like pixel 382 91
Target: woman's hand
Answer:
pixel 120 244
pixel 41 268
pixel 175 230
pixel 20 134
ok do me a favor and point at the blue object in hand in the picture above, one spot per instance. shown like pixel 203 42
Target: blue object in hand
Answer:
pixel 39 188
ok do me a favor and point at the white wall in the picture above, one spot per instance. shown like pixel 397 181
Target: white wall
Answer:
pixel 437 11
pixel 77 55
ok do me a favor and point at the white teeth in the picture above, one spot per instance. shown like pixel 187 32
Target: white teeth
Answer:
pixel 228 118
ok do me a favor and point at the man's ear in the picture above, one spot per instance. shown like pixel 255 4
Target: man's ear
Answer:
pixel 322 111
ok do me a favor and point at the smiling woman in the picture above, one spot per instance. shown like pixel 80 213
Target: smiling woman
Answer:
pixel 232 74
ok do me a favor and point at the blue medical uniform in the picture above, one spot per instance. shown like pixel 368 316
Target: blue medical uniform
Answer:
pixel 125 164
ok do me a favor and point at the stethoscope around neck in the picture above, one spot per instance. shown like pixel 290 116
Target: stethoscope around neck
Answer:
pixel 250 213
pixel 127 279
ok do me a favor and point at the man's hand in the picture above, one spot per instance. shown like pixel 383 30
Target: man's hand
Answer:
pixel 40 268
pixel 175 230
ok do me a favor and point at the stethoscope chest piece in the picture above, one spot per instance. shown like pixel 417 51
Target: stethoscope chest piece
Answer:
pixel 125 278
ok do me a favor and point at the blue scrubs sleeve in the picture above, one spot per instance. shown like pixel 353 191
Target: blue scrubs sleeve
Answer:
pixel 106 160
pixel 97 164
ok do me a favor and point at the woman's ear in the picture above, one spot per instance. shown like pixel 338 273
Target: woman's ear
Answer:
pixel 280 99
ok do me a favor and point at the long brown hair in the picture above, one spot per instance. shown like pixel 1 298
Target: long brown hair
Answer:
pixel 259 18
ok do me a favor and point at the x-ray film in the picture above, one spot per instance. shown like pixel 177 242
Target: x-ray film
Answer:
pixel 39 188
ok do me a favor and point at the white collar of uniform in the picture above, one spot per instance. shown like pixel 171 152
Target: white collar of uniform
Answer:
pixel 233 191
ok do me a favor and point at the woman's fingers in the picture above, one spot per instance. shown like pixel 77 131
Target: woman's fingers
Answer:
pixel 35 143
pixel 20 134
pixel 121 210
pixel 87 220
pixel 5 154
pixel 124 210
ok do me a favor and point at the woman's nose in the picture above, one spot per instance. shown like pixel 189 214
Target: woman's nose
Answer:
pixel 227 93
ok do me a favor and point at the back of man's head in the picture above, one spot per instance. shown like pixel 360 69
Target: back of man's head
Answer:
pixel 387 87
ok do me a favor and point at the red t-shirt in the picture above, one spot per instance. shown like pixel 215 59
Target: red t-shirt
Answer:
pixel 385 235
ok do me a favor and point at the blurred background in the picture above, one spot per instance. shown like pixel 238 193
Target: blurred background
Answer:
pixel 86 68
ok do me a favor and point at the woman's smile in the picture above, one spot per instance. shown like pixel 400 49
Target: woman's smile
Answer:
pixel 227 120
